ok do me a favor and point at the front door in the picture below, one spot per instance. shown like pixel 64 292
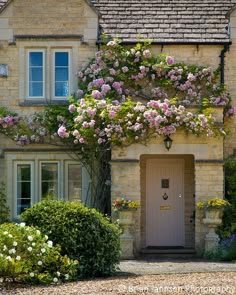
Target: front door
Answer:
pixel 165 202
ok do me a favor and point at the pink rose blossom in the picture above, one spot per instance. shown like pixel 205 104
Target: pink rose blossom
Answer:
pixel 96 94
pixel 170 60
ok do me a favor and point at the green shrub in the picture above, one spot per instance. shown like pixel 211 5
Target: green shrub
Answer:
pixel 228 226
pixel 4 210
pixel 27 255
pixel 231 252
pixel 83 233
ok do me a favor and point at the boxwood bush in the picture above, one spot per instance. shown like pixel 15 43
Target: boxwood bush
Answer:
pixel 83 233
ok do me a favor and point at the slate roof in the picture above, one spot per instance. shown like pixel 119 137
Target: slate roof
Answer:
pixel 2 3
pixel 166 21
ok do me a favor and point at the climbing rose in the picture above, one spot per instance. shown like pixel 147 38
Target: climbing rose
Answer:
pixel 170 60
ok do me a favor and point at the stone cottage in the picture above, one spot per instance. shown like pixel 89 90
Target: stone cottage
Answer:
pixel 47 36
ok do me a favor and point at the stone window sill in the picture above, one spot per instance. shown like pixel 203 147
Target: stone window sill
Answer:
pixel 30 103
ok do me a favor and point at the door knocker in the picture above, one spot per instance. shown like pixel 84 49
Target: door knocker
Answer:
pixel 165 196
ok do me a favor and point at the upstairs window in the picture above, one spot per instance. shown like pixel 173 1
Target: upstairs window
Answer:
pixel 36 74
pixel 48 74
pixel 61 74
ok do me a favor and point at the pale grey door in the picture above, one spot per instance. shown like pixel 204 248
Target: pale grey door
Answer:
pixel 165 202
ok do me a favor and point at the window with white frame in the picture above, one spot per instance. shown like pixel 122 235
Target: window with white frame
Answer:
pixel 49 74
pixel 24 186
pixel 74 184
pixel 36 74
pixel 49 180
pixel 61 74
pixel 36 179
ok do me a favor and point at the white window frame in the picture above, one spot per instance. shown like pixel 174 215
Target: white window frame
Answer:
pixel 59 168
pixel 85 182
pixel 44 73
pixel 66 181
pixel 52 82
pixel 32 190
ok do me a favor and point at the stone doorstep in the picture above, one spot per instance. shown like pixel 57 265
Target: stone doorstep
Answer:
pixel 155 253
pixel 166 250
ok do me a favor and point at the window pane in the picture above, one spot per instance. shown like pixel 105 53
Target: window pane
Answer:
pixel 23 172
pixel 61 89
pixel 23 188
pixel 74 182
pixel 36 74
pixel 49 180
pixel 36 70
pixel 36 59
pixel 36 89
pixel 61 74
pixel 61 59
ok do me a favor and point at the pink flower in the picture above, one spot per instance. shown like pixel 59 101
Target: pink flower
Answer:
pixel 75 132
pixel 112 72
pixel 112 43
pixel 62 132
pixel 72 108
pixel 170 60
pixel 191 77
pixel 111 114
pixel 85 125
pixel 147 53
pixel 98 82
pixel 125 69
pixel 96 94
pixel 105 88
pixel 80 93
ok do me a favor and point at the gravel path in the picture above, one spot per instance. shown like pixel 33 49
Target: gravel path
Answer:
pixel 148 277
pixel 169 266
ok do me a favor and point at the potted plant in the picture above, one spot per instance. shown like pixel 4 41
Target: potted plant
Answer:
pixel 213 207
pixel 125 208
pixel 124 204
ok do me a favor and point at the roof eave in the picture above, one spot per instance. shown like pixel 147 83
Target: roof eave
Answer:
pixel 228 42
pixel 5 5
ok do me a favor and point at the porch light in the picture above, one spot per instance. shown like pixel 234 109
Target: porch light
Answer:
pixel 168 142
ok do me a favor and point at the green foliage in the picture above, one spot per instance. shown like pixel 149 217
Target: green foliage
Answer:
pixel 82 232
pixel 222 252
pixel 228 226
pixel 4 210
pixel 27 255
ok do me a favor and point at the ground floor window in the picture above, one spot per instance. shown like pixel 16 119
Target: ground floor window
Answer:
pixel 32 180
pixel 23 187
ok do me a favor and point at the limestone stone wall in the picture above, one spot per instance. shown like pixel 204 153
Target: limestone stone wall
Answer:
pixel 54 17
pixel 207 55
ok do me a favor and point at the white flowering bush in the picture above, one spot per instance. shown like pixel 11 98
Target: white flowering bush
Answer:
pixel 26 255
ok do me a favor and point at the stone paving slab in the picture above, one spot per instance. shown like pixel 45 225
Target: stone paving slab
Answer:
pixel 174 266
